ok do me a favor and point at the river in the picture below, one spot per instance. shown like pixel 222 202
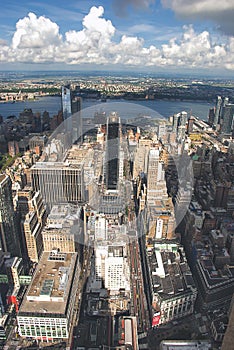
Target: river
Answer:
pixel 126 109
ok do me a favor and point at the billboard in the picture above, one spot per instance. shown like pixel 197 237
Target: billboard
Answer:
pixel 156 319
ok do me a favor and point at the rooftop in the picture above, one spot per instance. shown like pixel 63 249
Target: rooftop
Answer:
pixel 170 272
pixel 184 345
pixel 62 213
pixel 51 283
pixel 55 165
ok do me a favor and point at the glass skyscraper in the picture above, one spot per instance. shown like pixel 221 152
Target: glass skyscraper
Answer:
pixel 112 152
pixel 66 102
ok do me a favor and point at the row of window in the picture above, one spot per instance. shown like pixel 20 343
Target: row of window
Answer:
pixel 177 310
pixel 41 321
pixel 43 333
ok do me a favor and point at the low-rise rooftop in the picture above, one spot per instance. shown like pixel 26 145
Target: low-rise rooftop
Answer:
pixel 51 283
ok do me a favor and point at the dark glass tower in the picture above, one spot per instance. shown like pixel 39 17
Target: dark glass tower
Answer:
pixel 71 106
pixel 66 102
pixel 227 118
pixel 112 152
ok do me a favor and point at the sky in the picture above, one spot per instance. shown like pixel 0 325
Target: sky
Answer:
pixel 183 36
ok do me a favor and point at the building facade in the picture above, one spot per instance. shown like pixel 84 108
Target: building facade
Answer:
pixel 112 267
pixel 58 182
pixel 33 215
pixel 9 235
pixel 64 229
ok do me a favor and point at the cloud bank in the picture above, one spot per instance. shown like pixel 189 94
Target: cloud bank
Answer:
pixel 38 40
pixel 219 12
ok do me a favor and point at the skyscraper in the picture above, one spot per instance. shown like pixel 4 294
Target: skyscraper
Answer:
pixel 211 116
pixel 227 118
pixel 67 111
pixel 112 152
pixel 66 102
pixel 9 235
pixel 71 107
pixel 190 124
pixel 33 215
pixel 217 110
pixel 58 182
pixel 77 125
pixel 179 122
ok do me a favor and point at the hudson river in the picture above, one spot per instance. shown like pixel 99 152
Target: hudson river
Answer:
pixel 126 109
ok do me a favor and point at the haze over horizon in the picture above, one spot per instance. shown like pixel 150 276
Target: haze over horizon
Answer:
pixel 164 36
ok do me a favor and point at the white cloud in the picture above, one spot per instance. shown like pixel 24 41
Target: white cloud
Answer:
pixel 194 49
pixel 35 32
pixel 38 40
pixel 220 12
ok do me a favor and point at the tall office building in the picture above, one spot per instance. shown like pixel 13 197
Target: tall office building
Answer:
pixel 77 124
pixel 9 235
pixel 179 120
pixel 66 102
pixel 71 107
pixel 175 122
pixel 227 118
pixel 111 166
pixel 156 184
pixel 211 117
pixel 217 110
pixel 141 157
pixel 190 124
pixel 183 118
pixel 58 182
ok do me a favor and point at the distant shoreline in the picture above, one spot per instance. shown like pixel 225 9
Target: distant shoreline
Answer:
pixel 117 99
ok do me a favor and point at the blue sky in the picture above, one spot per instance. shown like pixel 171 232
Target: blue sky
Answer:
pixel 154 35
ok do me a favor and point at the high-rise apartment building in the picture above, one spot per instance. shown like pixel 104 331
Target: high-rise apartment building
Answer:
pixel 32 213
pixel 9 235
pixel 14 267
